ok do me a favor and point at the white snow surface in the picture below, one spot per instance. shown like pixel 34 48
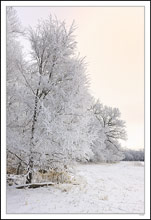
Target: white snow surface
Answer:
pixel 101 188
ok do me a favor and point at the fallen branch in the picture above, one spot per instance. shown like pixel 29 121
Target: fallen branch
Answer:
pixel 34 185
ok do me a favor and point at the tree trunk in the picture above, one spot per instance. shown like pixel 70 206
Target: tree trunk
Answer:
pixel 31 161
pixel 37 97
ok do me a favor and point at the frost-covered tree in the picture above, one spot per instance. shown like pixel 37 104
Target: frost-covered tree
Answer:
pixel 55 76
pixel 113 129
pixel 47 98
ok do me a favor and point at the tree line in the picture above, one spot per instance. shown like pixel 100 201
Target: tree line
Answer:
pixel 133 155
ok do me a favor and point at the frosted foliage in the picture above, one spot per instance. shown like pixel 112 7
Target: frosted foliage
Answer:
pixel 63 123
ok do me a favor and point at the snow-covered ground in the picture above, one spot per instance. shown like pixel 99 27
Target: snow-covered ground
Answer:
pixel 103 188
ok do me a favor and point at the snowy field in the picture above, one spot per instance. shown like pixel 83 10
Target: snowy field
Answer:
pixel 102 188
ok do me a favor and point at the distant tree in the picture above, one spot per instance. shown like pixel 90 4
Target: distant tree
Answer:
pixel 113 128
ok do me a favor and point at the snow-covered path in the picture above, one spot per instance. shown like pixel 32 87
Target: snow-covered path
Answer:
pixel 104 188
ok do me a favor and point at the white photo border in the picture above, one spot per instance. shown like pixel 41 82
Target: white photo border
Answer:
pixel 145 4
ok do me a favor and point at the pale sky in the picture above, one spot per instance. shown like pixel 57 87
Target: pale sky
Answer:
pixel 112 39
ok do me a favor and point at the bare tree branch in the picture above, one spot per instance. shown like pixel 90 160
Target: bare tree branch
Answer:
pixel 17 157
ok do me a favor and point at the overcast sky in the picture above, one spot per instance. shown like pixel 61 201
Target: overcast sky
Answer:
pixel 112 39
